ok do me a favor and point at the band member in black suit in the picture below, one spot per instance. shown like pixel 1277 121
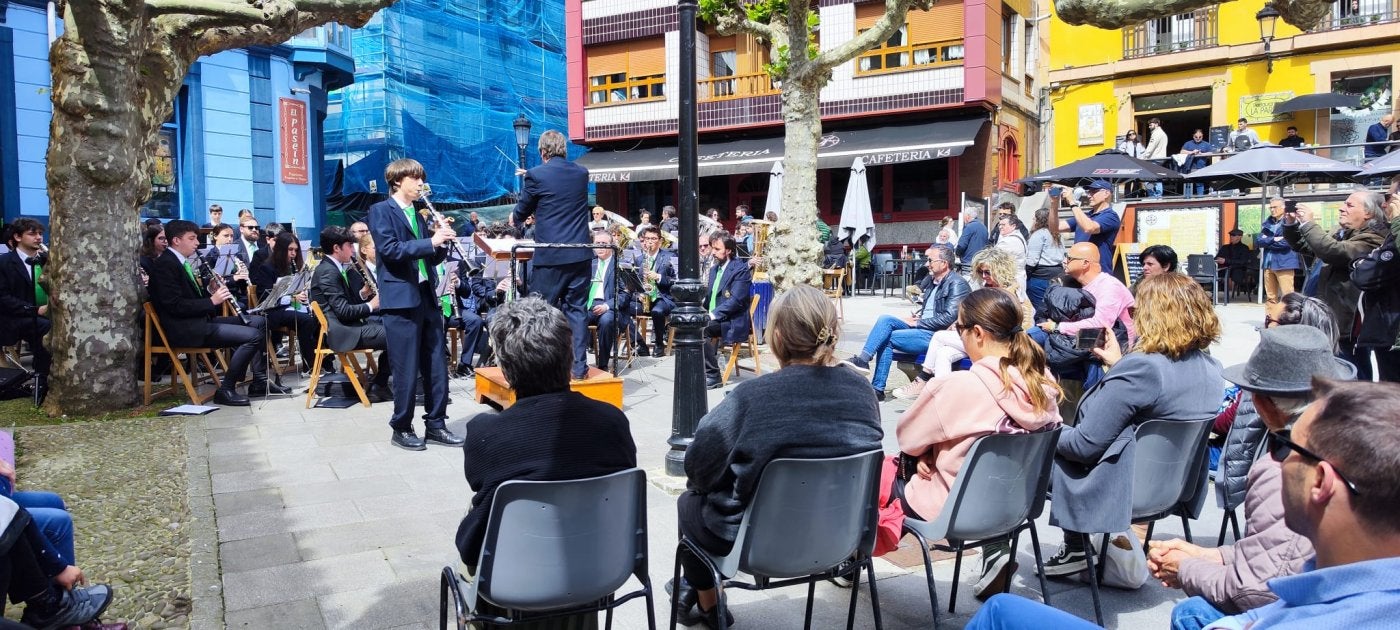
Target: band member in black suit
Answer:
pixel 409 252
pixel 351 308
pixel 727 300
pixel 556 193
pixel 474 295
pixel 658 269
pixel 187 311
pixel 605 310
pixel 294 311
pixel 24 302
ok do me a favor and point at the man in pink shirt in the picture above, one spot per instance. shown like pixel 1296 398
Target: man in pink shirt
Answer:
pixel 1112 300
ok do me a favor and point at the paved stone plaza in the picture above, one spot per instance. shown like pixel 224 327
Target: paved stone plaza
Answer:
pixel 321 523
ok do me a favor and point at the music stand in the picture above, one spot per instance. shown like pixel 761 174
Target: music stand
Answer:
pixel 281 289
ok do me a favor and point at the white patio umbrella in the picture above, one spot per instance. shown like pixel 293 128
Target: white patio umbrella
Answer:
pixel 856 218
pixel 775 190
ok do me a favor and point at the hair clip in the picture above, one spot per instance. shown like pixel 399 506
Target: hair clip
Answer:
pixel 825 336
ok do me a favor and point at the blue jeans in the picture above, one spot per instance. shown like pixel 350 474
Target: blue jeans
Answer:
pixel 1013 612
pixel 891 333
pixel 1194 613
pixel 1035 291
pixel 1154 189
pixel 52 519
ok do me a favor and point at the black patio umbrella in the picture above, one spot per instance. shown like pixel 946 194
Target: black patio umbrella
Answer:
pixel 1109 164
pixel 1388 164
pixel 1317 101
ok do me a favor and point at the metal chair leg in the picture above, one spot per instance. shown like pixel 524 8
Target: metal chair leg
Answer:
pixel 1224 523
pixel 957 575
pixel 928 574
pixel 850 611
pixel 1186 528
pixel 1235 524
pixel 1093 578
pixel 1103 553
pixel 875 597
pixel 1039 566
pixel 676 584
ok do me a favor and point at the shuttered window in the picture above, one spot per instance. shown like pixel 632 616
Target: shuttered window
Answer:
pixel 626 71
pixel 927 39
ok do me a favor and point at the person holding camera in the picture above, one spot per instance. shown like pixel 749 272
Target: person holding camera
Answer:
pixel 1280 261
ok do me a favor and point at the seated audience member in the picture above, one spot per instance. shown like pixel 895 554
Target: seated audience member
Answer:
pixel 807 408
pixel 351 309
pixel 54 592
pixel 727 301
pixel 991 268
pixel 293 312
pixel 49 512
pixel 153 244
pixel 1377 276
pixel 550 433
pixel 1157 260
pixel 187 309
pixel 1296 308
pixel 1362 228
pixel 1232 579
pixel 604 308
pixel 475 294
pixel 658 271
pixel 1166 375
pixel 1113 303
pixel 24 298
pixel 1233 260
pixel 912 334
pixel 1340 485
pixel 1007 390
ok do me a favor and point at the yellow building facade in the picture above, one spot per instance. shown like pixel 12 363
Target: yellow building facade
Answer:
pixel 1205 69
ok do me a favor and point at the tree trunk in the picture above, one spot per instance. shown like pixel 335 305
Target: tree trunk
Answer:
pixel 112 88
pixel 795 255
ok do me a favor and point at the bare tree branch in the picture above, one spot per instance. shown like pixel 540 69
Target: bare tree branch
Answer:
pixel 734 19
pixel 891 21
pixel 237 12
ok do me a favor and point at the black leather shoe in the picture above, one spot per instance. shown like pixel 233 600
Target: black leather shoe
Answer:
pixel 464 371
pixel 682 598
pixel 380 393
pixel 262 388
pixel 408 440
pixel 230 398
pixel 644 351
pixel 713 383
pixel 442 437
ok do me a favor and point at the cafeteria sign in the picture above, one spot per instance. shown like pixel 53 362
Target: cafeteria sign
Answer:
pixel 292 119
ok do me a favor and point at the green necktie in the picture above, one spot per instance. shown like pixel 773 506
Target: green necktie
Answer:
pixel 189 271
pixel 596 291
pixel 714 290
pixel 344 275
pixel 413 225
pixel 41 297
pixel 446 300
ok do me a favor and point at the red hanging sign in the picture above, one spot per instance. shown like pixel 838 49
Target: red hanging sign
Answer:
pixel 292 117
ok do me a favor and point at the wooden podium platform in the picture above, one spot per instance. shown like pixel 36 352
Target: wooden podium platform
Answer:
pixel 492 388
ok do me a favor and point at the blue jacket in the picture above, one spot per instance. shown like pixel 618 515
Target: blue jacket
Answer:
pixel 732 312
pixel 399 251
pixel 1196 162
pixel 1277 254
pixel 556 192
pixel 973 239
pixel 1376 133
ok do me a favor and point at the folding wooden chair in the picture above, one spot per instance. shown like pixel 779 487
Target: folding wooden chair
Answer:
pixel 156 343
pixel 350 360
pixel 753 347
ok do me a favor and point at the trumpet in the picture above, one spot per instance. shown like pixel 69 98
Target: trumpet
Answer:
pixel 365 275
pixel 432 215
pixel 216 282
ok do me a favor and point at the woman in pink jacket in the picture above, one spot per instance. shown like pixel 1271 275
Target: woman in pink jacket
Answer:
pixel 1008 390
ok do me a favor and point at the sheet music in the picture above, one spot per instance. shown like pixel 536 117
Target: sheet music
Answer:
pixel 274 297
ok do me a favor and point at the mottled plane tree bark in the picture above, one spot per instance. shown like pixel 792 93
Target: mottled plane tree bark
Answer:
pixel 1303 14
pixel 116 71
pixel 801 68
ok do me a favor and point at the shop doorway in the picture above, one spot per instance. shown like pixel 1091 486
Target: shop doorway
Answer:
pixel 1179 125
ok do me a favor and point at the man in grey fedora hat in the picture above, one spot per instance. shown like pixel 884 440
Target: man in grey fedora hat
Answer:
pixel 1277 382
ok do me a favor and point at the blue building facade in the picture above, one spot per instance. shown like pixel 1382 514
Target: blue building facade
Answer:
pixel 245 133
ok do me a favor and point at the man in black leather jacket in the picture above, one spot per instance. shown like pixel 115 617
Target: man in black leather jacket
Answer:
pixel 1378 277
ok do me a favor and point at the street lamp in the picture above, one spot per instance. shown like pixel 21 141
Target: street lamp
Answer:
pixel 1268 18
pixel 688 319
pixel 522 139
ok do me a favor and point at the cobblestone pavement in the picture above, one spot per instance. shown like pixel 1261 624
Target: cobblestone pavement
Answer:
pixel 321 523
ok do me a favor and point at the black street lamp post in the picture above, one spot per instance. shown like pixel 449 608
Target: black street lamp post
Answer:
pixel 1268 18
pixel 689 317
pixel 522 140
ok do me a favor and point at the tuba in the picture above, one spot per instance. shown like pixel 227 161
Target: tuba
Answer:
pixel 761 231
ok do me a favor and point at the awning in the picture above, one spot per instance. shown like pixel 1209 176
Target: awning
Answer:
pixel 892 144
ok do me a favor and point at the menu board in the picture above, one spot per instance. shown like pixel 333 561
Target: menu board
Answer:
pixel 1188 230
pixel 1126 263
pixel 1249 217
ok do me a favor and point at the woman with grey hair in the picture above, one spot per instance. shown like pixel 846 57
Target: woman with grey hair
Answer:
pixel 550 433
pixel 1296 308
pixel 1363 228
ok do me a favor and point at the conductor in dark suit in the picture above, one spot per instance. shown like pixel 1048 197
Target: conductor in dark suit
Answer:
pixel 24 303
pixel 728 303
pixel 409 251
pixel 556 193
pixel 351 309
pixel 187 314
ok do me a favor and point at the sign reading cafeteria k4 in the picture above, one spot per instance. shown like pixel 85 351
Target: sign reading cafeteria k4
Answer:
pixel 292 125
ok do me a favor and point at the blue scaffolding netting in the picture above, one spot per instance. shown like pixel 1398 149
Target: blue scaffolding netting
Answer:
pixel 442 81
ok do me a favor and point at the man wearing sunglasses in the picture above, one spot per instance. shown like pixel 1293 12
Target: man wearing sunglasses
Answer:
pixel 1277 381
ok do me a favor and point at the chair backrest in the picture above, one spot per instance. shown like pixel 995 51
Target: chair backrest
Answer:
pixel 153 325
pixel 320 314
pixel 1165 463
pixel 1201 266
pixel 883 262
pixel 1002 483
pixel 807 516
pixel 560 544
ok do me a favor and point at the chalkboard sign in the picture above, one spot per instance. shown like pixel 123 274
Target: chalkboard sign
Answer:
pixel 1219 136
pixel 1126 263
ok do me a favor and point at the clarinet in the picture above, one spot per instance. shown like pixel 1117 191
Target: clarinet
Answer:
pixel 215 279
pixel 430 213
pixel 365 275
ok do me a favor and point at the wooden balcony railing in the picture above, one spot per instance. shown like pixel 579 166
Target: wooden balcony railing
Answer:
pixel 736 86
pixel 1186 31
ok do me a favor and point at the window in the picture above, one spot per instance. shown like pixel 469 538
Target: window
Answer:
pixel 920 186
pixel 1008 41
pixel 1010 163
pixel 626 71
pixel 722 65
pixel 927 39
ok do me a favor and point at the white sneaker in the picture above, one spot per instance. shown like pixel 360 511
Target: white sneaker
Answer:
pixel 910 391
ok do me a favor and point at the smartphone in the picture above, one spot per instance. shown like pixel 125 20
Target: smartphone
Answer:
pixel 1055 192
pixel 1089 338
pixel 1290 206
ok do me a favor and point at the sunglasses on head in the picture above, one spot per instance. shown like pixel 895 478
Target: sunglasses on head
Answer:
pixel 1280 445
